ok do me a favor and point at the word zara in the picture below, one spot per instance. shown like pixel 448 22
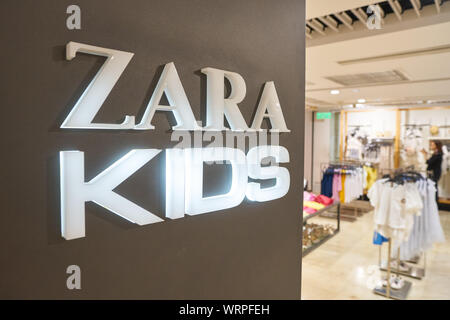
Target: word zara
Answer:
pixel 184 167
pixel 217 106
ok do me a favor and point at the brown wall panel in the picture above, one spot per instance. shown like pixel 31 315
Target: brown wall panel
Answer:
pixel 248 252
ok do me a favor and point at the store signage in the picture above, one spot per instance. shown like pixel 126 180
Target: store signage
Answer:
pixel 184 167
pixel 323 115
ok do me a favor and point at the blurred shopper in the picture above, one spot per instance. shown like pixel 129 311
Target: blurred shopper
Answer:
pixel 435 162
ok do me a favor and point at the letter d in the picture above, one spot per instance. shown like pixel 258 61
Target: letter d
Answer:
pixel 195 157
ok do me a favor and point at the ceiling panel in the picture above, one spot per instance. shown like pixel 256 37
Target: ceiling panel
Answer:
pixel 429 73
pixel 317 8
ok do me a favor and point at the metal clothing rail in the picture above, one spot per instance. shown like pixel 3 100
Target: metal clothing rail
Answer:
pixel 352 210
pixel 417 273
pixel 413 125
pixel 383 141
pixel 340 165
pixel 389 292
pixel 347 164
pixel 394 172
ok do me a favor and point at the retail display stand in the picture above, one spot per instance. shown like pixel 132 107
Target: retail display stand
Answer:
pixel 413 272
pixel 389 292
pixel 415 260
pixel 352 210
pixel 357 207
pixel 337 207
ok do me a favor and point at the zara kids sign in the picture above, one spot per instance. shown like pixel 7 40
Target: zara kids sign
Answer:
pixel 184 166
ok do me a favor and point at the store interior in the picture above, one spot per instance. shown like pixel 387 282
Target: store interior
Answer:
pixel 376 198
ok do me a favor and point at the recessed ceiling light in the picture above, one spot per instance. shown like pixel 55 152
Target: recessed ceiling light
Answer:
pixel 361 100
pixel 334 92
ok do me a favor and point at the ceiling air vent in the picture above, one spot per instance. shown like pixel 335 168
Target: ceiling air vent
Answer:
pixel 369 78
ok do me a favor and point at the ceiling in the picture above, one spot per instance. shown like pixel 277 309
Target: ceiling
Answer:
pixel 414 47
pixel 316 8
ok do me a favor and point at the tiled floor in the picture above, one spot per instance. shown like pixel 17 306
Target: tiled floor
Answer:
pixel 341 268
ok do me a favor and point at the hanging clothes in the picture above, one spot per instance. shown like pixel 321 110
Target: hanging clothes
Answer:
pixel 354 148
pixel 395 207
pixel 444 182
pixel 356 139
pixel 371 152
pixel 353 185
pixel 327 183
pixel 313 205
pixel 427 228
pixel 445 166
pixel 343 183
pixel 337 187
pixel 342 192
pixel 370 176
pixel 386 157
pixel 378 239
pixel 412 143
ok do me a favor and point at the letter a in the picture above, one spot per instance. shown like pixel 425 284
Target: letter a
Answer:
pixel 269 102
pixel 170 84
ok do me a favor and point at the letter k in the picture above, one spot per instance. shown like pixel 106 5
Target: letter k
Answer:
pixel 75 192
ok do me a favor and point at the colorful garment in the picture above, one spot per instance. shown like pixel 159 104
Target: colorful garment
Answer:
pixel 307 210
pixel 371 177
pixel 308 196
pixel 314 205
pixel 337 187
pixel 342 192
pixel 324 200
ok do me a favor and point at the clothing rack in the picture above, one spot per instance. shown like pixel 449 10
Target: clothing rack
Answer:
pixel 349 163
pixel 363 163
pixel 394 172
pixel 396 176
pixel 343 165
pixel 352 210
pixel 415 125
pixel 390 293
pixel 414 272
pixel 406 249
pixel 383 141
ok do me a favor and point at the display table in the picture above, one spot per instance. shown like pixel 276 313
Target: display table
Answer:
pixel 306 217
